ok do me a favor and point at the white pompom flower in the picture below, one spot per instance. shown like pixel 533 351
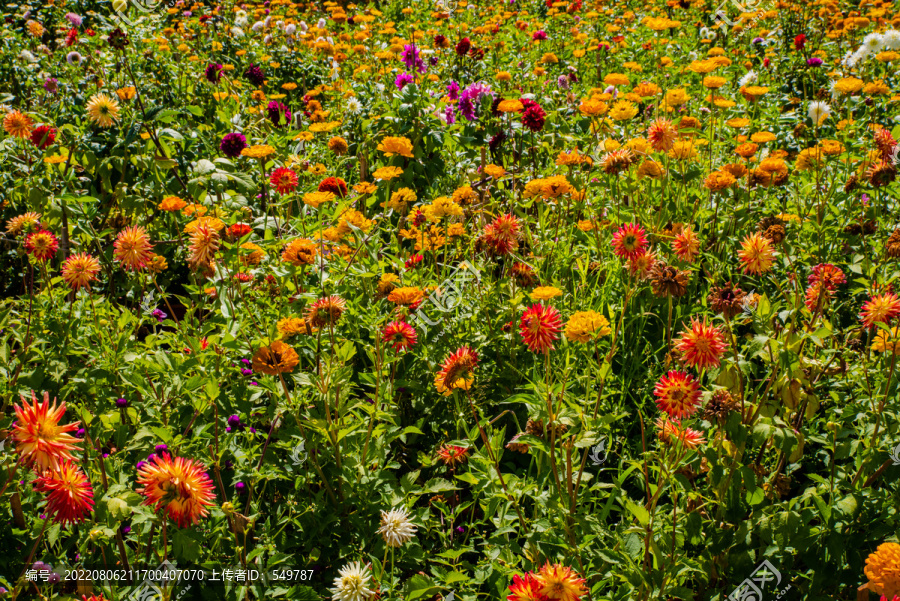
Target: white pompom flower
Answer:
pixel 353 583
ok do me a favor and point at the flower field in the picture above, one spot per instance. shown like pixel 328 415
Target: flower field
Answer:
pixel 431 301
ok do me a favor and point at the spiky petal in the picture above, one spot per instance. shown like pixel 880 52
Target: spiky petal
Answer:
pixel 179 486
pixel 70 497
pixel 40 440
pixel 702 345
pixel 629 241
pixel 677 394
pixel 540 327
pixel 132 248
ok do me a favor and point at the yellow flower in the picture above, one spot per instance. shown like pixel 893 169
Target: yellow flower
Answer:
pixel 544 293
pixel 848 85
pixel 126 93
pixel 714 83
pixel 401 199
pixel 549 58
pixel 592 108
pixel 396 145
pixel 495 171
pixel 585 326
pixel 103 110
pixel 291 326
pixel 387 173
pixel 260 151
pixel 510 106
pixel 365 188
pixel 623 110
pixel 314 199
pixel 887 342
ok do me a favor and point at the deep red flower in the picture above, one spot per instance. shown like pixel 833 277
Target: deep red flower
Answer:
pixel 284 180
pixel 462 48
pixel 800 41
pixel 334 185
pixel 239 230
pixel 43 136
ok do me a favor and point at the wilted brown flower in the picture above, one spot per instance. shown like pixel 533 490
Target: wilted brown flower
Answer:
pixel 720 407
pixel 727 300
pixel 668 281
pixel 892 246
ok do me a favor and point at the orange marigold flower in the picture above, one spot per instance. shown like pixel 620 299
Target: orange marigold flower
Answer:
pixel 70 497
pixel 702 346
pixel 172 203
pixel 277 358
pixel 396 145
pixel 883 570
pixel 677 394
pixel 756 254
pixel 177 485
pixel 560 583
pixel 540 327
pixel 80 270
pixel 132 248
pixel 40 440
pixel 300 252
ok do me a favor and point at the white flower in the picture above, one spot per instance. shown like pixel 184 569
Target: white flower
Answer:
pixel 895 156
pixel 267 39
pixel 258 26
pixel 873 43
pixel 268 22
pixel 353 584
pixel 892 39
pixel 321 24
pixel 818 111
pixel 237 32
pixel 354 106
pixel 395 527
pixel 241 22
pixel 290 29
pixel 748 79
pixel 303 26
pixel 27 56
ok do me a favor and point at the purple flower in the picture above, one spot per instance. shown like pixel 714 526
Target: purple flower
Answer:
pixel 562 82
pixel 125 530
pixel 234 423
pixel 232 144
pixel 453 90
pixel 240 487
pixel 121 402
pixel 255 75
pixel 276 110
pixel 865 200
pixel 758 40
pixel 460 529
pixel 402 79
pixel 815 61
pixel 213 72
pixel 412 58
pixel 51 84
pixel 159 315
pixel 246 361
pixel 74 19
pixel 140 464
pixel 80 433
pixel 161 448
pixel 246 371
pixel 472 95
pixel 449 117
